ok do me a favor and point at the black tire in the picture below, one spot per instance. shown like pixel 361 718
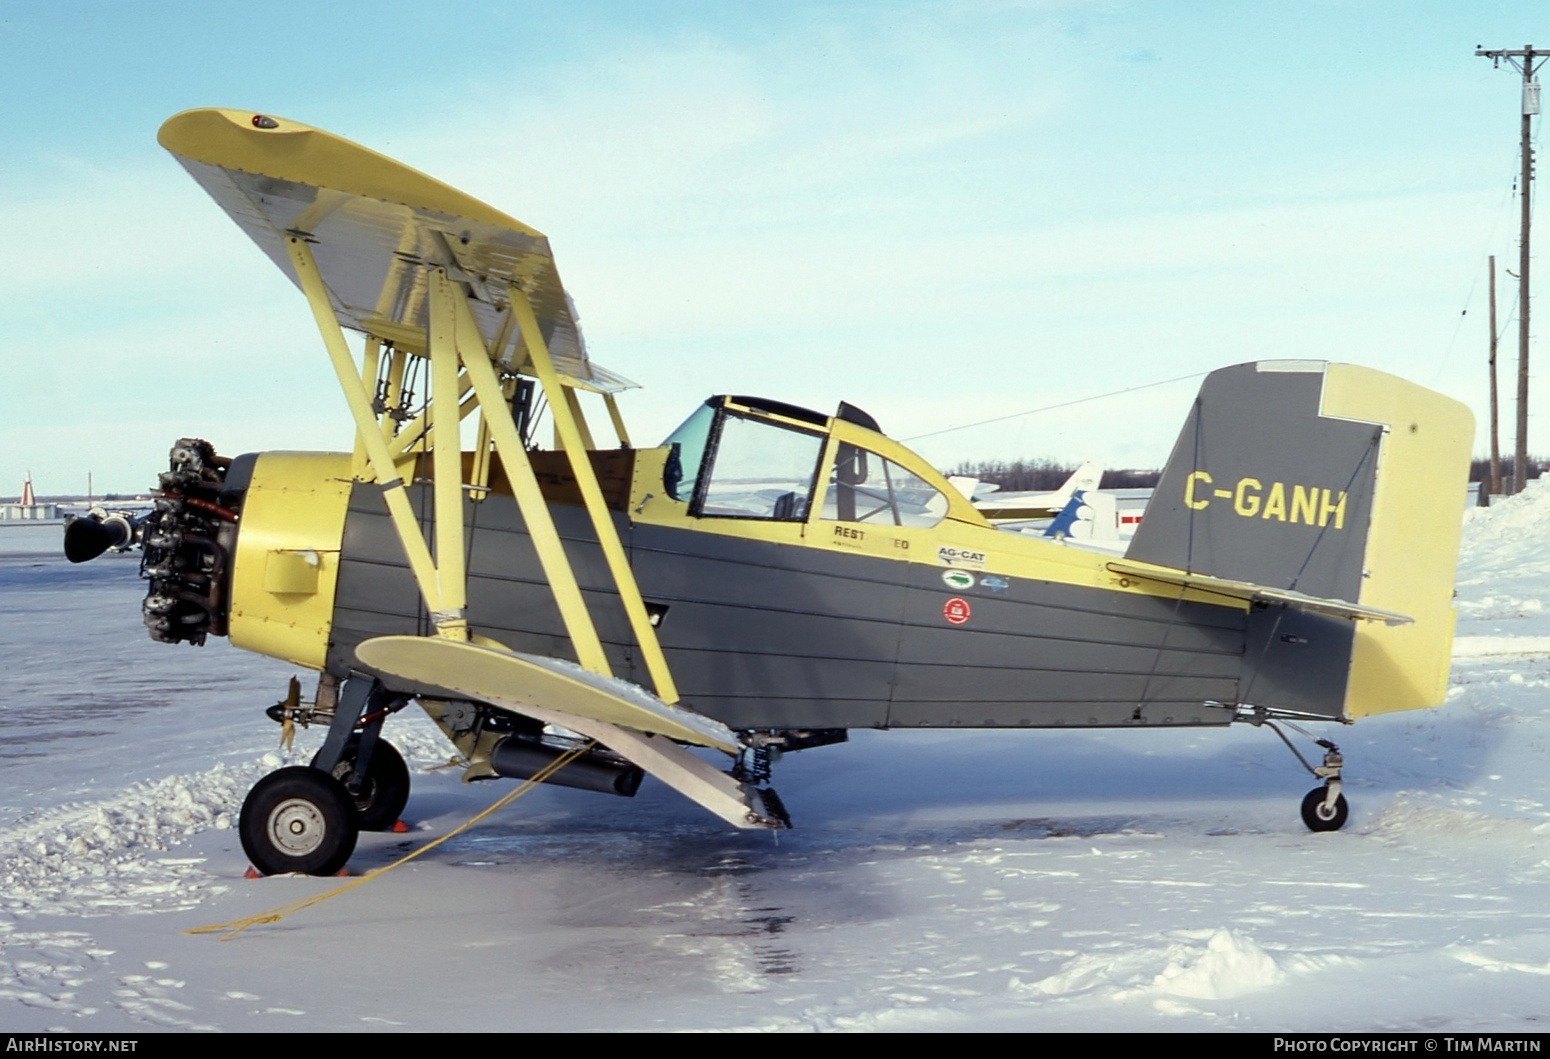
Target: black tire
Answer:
pixel 298 820
pixel 385 791
pixel 1320 819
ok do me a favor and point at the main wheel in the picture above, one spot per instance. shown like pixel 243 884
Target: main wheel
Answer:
pixel 298 820
pixel 1320 818
pixel 384 792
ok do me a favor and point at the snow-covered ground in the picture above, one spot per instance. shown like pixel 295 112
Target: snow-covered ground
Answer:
pixel 1154 880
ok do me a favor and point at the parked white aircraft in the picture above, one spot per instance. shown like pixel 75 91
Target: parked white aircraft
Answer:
pixel 1000 507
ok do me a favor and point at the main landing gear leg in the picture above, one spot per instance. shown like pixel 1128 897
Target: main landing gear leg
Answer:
pixel 371 769
pixel 306 819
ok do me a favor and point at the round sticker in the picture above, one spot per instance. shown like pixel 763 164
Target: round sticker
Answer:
pixel 956 610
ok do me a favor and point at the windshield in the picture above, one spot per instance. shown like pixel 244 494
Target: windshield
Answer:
pixel 688 444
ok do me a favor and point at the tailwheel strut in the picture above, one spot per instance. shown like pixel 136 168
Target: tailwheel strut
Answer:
pixel 1324 808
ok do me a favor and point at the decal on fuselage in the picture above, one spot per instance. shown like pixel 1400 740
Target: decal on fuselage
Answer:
pixel 957 579
pixel 1251 498
pixel 961 557
pixel 956 611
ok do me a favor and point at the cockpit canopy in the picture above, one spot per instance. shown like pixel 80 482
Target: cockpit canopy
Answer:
pixel 750 458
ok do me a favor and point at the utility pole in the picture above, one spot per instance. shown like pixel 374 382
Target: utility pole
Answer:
pixel 1526 61
pixel 1493 484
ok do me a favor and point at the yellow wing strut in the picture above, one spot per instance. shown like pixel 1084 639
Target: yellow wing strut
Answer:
pixel 377 454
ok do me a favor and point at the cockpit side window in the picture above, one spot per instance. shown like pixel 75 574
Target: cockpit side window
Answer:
pixel 758 469
pixel 864 487
pixel 688 452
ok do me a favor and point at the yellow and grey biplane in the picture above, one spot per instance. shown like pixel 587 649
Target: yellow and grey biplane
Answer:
pixel 766 578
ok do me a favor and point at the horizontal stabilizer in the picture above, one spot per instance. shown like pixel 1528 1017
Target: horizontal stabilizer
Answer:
pixel 1248 591
pixel 493 674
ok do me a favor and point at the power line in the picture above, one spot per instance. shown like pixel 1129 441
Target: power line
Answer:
pixel 1469 298
pixel 1052 407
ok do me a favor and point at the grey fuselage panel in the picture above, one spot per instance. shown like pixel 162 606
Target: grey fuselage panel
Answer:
pixel 782 636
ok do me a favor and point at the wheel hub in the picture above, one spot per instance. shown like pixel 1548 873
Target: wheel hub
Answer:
pixel 296 827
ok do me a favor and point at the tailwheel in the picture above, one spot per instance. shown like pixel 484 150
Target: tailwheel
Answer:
pixel 298 820
pixel 384 790
pixel 1323 808
pixel 1322 814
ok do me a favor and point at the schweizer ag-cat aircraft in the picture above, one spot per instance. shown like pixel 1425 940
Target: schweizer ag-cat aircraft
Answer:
pixel 764 580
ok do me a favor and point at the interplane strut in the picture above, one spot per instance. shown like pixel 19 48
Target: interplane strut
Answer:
pixel 463 376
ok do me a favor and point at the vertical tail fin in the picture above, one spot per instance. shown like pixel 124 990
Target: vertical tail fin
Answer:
pixel 1334 481
pixel 1085 479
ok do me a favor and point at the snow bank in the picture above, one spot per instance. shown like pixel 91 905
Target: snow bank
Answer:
pixel 1230 965
pixel 1204 965
pixel 1513 534
pixel 1515 519
pixel 100 858
pixel 1497 646
pixel 1520 842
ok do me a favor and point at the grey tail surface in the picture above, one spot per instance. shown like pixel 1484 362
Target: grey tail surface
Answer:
pixel 1262 487
pixel 1334 481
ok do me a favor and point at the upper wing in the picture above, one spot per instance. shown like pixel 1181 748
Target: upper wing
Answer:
pixel 377 228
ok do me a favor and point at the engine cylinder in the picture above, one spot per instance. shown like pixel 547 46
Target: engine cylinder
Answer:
pixel 187 543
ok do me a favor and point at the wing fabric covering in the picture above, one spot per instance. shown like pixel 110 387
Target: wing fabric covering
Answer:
pixel 376 229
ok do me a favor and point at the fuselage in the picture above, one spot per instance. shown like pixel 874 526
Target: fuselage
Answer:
pixel 779 601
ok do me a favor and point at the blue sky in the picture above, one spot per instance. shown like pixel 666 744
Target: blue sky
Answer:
pixel 941 212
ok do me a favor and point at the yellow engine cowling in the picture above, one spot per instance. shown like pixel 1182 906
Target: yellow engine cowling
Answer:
pixel 286 565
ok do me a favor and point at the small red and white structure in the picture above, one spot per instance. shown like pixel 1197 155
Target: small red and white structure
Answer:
pixel 29 510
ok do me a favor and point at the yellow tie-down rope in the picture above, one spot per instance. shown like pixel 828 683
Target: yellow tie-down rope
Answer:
pixel 274 915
